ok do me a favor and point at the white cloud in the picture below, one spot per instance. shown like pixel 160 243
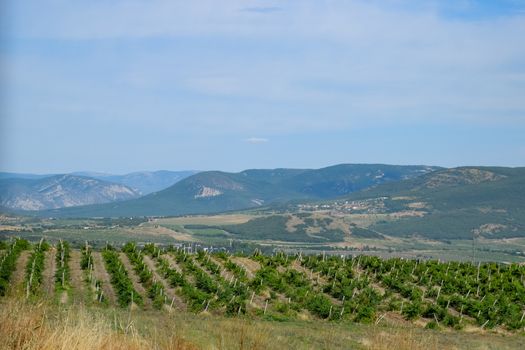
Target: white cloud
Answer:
pixel 256 140
pixel 313 65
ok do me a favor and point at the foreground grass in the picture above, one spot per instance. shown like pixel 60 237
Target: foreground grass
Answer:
pixel 30 325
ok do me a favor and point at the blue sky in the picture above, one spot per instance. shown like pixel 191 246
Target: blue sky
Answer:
pixel 124 85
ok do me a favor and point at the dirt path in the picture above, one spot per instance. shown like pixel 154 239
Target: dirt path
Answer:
pixel 135 280
pixel 251 268
pixel 102 275
pixel 48 275
pixel 258 300
pixel 173 263
pixel 77 281
pixel 17 279
pixel 249 265
pixel 315 279
pixel 227 275
pixel 170 292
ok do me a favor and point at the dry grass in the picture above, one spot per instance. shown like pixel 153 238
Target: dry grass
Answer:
pixel 226 219
pixel 36 326
pixel 401 340
pixel 26 325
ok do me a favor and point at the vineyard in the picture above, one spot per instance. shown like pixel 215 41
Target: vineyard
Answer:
pixel 361 289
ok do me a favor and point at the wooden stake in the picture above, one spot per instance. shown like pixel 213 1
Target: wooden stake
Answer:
pixel 380 318
pixel 484 324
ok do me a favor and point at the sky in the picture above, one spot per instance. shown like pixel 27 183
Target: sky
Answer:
pixel 125 85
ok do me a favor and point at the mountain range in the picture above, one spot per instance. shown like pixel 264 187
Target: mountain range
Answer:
pixel 145 182
pixel 216 191
pixel 59 191
pixel 430 202
pixel 40 192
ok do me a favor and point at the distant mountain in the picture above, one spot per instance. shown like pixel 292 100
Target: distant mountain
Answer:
pixel 458 203
pixel 145 182
pixel 215 191
pixel 339 180
pixel 5 175
pixel 59 191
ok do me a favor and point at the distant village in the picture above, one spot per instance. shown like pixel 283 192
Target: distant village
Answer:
pixel 366 206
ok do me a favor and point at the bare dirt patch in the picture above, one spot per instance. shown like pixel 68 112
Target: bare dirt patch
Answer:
pixel 76 276
pixel 135 279
pixel 48 276
pixel 339 224
pixel 315 278
pixel 158 230
pixel 258 300
pixel 249 265
pixel 173 263
pixel 170 292
pixel 102 275
pixel 17 281
pixel 227 275
pixel 211 220
pixel 292 222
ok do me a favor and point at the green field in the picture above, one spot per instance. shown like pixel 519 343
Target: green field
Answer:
pixel 308 232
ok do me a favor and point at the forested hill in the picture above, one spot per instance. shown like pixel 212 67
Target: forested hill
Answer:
pixel 215 191
pixel 453 203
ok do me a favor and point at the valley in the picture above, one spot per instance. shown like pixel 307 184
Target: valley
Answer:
pixel 252 260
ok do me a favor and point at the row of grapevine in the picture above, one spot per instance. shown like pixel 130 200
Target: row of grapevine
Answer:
pixel 232 294
pixel 214 293
pixel 155 289
pixel 360 289
pixel 277 274
pixel 86 264
pixel 34 269
pixel 62 272
pixel 445 293
pixel 196 299
pixel 361 302
pixel 8 262
pixel 120 280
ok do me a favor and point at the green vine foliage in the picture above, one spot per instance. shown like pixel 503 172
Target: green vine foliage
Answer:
pixel 8 262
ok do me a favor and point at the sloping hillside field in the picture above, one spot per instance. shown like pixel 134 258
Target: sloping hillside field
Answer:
pixel 171 297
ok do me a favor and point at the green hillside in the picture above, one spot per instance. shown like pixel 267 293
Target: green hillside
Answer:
pixel 454 204
pixel 215 191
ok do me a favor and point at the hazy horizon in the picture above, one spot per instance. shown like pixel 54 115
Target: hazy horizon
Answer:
pixel 123 85
pixel 103 173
